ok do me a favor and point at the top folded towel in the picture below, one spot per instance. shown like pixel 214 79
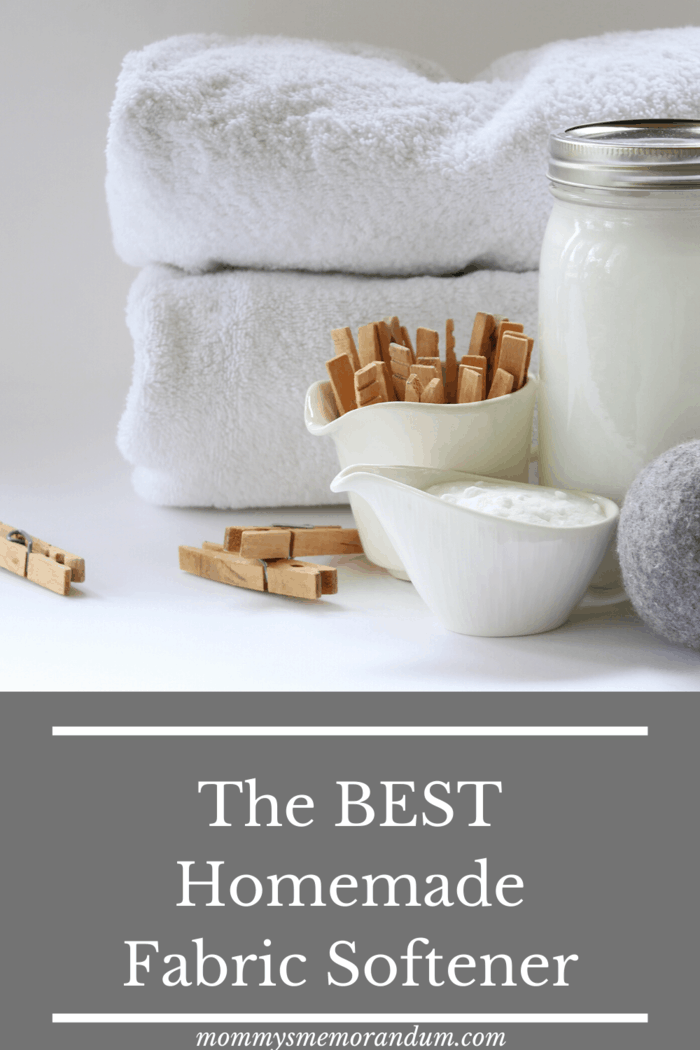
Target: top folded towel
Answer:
pixel 279 153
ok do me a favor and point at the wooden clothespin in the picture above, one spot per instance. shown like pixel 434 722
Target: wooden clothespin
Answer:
pixel 291 541
pixel 41 562
pixel 266 558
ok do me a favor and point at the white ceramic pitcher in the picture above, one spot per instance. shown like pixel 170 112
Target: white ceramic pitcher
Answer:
pixel 478 573
pixel 487 437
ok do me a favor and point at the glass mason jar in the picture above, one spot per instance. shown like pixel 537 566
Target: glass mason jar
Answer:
pixel 619 338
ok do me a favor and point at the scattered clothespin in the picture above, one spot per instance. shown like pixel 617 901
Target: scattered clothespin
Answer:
pixel 41 562
pixel 266 558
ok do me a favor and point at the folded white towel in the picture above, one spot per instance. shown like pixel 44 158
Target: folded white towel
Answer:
pixel 215 415
pixel 279 153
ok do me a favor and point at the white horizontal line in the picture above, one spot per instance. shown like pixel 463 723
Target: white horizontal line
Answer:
pixel 350 731
pixel 344 1018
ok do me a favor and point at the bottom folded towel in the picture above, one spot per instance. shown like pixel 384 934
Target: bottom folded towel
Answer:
pixel 215 413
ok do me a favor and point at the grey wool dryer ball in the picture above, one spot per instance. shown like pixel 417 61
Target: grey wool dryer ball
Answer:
pixel 658 543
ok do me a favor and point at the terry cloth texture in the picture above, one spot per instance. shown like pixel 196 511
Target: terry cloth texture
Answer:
pixel 223 361
pixel 279 153
pixel 659 544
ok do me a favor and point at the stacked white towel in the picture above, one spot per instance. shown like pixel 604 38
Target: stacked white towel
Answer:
pixel 278 153
pixel 271 154
pixel 223 361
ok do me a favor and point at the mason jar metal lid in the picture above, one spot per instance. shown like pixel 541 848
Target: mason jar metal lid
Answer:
pixel 628 154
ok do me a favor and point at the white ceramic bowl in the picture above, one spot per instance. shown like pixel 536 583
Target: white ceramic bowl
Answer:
pixel 491 438
pixel 478 573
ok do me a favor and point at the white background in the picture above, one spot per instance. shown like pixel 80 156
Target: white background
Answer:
pixel 65 362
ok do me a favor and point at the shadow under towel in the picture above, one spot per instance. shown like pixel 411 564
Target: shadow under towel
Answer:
pixel 215 414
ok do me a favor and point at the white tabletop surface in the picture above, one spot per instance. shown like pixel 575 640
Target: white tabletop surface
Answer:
pixel 139 623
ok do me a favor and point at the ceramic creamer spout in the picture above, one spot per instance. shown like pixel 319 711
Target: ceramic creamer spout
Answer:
pixel 374 482
pixel 382 495
pixel 390 491
pixel 365 481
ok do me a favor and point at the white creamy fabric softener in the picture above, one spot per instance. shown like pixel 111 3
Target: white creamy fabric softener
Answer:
pixel 618 326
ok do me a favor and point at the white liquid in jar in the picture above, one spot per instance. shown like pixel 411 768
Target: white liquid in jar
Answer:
pixel 532 505
pixel 619 336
